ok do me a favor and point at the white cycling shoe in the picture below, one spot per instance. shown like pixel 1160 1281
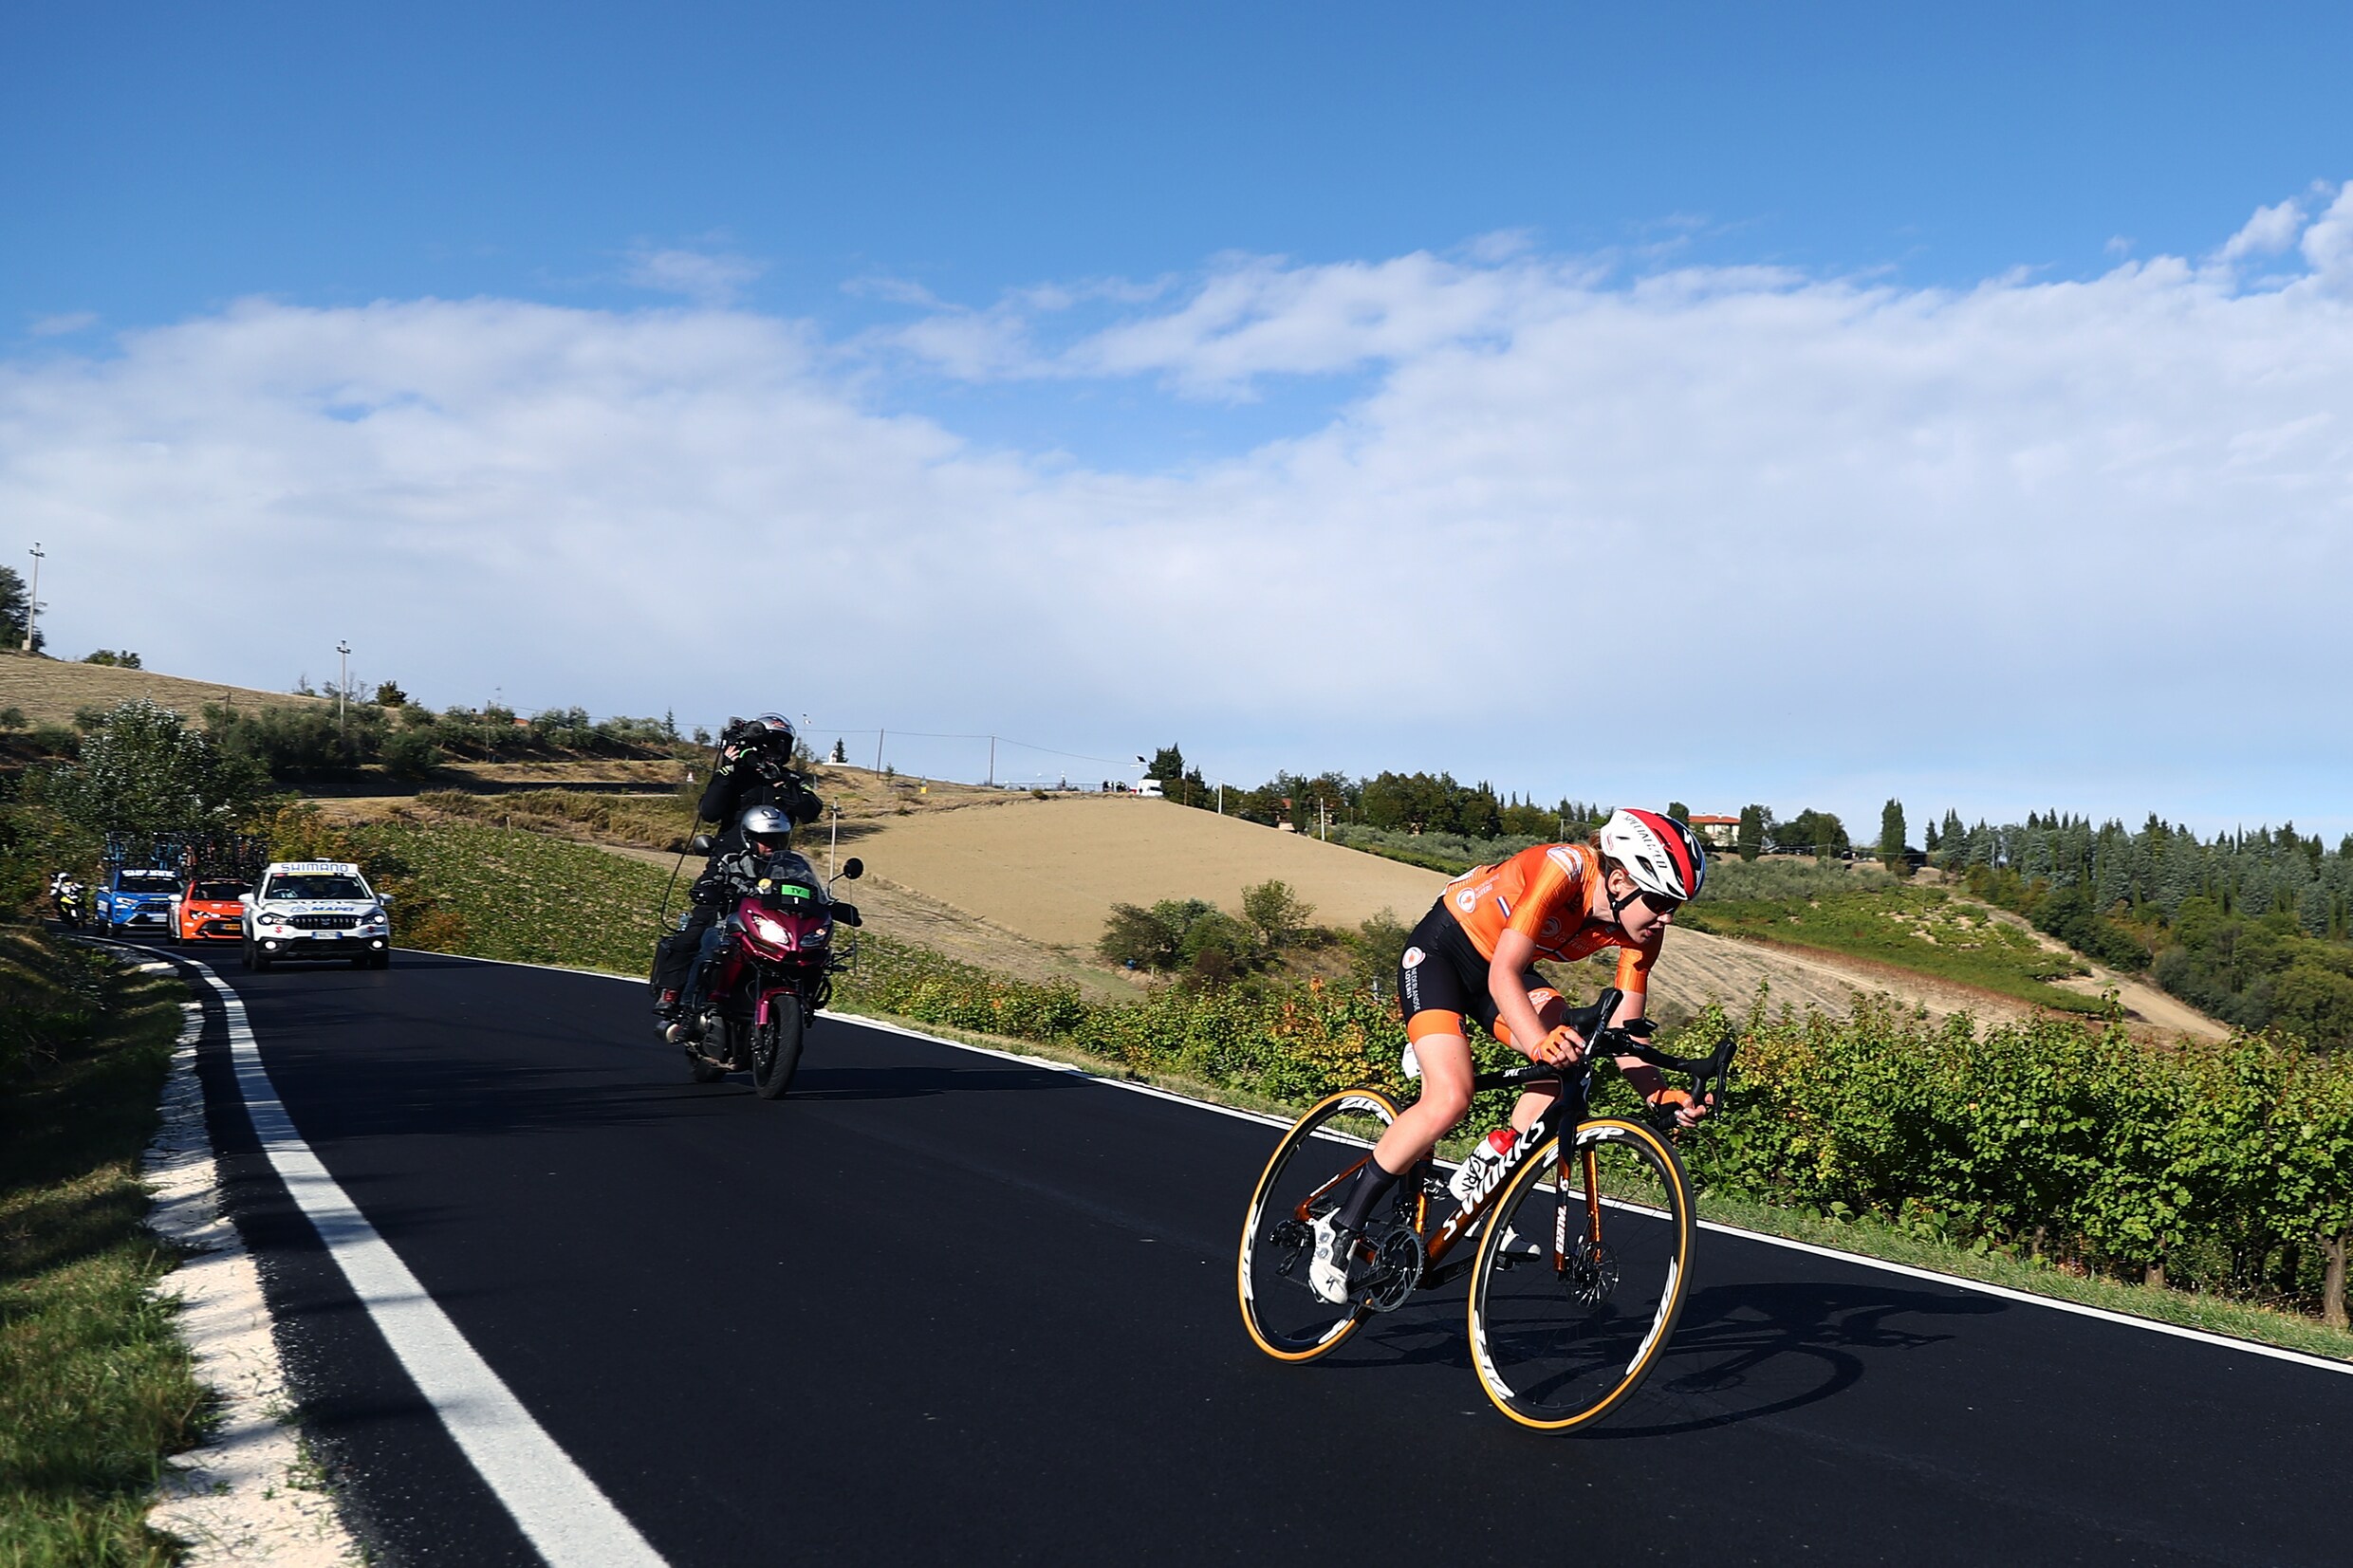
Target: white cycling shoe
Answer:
pixel 1327 1270
pixel 1513 1244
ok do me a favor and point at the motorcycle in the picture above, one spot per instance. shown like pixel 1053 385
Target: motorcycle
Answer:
pixel 770 972
pixel 73 905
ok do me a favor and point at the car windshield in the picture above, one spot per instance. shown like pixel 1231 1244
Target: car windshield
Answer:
pixel 148 881
pixel 316 884
pixel 216 892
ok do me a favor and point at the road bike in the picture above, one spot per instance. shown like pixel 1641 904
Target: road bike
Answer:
pixel 1578 1242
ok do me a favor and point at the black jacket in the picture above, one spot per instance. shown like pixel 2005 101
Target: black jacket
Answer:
pixel 754 779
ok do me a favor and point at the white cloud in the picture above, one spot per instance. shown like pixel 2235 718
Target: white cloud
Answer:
pixel 61 325
pixel 1722 534
pixel 708 278
pixel 2327 246
pixel 2272 231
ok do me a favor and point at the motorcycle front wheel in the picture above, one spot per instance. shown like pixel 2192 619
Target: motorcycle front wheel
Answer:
pixel 776 1047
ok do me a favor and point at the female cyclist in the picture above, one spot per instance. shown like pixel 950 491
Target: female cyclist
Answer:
pixel 1473 957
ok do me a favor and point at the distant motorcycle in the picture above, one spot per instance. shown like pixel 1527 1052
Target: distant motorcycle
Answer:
pixel 72 901
pixel 772 971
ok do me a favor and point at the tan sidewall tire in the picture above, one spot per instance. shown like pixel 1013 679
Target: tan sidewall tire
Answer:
pixel 1251 1218
pixel 1490 1237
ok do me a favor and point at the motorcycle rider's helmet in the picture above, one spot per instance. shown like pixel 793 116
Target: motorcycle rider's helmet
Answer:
pixel 767 830
pixel 1662 854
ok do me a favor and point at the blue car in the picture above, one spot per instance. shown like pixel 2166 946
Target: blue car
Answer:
pixel 132 900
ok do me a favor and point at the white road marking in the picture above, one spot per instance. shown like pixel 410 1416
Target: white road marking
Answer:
pixel 563 1513
pixel 2122 1319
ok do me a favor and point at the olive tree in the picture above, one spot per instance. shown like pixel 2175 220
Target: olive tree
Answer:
pixel 143 775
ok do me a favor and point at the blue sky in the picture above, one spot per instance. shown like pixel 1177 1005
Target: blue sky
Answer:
pixel 165 158
pixel 1084 286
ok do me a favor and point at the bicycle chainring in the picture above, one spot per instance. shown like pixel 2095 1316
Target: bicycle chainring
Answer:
pixel 1399 1260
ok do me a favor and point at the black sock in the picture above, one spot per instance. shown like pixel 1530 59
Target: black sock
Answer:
pixel 1372 1184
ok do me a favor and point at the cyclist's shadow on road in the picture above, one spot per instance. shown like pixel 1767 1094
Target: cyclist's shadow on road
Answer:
pixel 1751 1350
pixel 1742 1351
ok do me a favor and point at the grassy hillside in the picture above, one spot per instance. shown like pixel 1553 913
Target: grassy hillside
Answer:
pixel 1866 915
pixel 49 690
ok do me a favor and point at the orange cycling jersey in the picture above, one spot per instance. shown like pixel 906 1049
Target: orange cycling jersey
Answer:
pixel 1546 892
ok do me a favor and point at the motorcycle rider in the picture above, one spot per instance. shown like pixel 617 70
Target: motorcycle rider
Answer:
pixel 65 898
pixel 764 832
pixel 755 771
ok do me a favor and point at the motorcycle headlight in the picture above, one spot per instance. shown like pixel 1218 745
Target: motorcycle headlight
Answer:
pixel 771 931
pixel 819 937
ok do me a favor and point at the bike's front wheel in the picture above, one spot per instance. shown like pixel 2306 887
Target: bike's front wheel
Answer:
pixel 1580 1275
pixel 776 1047
pixel 1304 1178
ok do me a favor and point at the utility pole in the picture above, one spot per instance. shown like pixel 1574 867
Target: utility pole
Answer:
pixel 32 604
pixel 992 761
pixel 343 681
pixel 878 748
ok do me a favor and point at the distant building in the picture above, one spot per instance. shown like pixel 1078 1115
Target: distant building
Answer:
pixel 1723 832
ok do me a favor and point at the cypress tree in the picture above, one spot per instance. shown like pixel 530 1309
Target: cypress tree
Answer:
pixel 1752 841
pixel 1891 840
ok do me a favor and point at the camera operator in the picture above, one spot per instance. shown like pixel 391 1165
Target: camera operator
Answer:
pixel 755 768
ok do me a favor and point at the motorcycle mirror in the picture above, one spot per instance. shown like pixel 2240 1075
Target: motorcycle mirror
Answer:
pixel 700 843
pixel 853 868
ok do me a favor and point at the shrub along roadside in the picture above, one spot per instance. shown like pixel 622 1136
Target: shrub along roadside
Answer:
pixel 2227 1170
pixel 96 1388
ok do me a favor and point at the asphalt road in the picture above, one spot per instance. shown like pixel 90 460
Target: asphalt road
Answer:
pixel 939 1302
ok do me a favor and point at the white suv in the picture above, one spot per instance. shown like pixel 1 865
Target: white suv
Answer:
pixel 316 909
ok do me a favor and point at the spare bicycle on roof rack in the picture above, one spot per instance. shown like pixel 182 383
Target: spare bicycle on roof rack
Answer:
pixel 1580 1234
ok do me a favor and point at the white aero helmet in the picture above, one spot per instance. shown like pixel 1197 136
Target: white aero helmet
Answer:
pixel 1660 853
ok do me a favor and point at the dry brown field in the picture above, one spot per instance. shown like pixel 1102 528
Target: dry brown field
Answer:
pixel 1024 885
pixel 1050 869
pixel 50 690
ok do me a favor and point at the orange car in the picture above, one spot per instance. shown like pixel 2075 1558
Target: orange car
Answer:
pixel 209 912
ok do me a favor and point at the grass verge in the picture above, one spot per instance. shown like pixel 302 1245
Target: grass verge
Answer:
pixel 96 1387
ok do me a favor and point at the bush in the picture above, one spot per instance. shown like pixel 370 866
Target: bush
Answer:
pixel 1275 912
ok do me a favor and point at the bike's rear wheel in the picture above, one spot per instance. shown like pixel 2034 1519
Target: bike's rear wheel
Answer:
pixel 776 1047
pixel 1302 1181
pixel 1581 1272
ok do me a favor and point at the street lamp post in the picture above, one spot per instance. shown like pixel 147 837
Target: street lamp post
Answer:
pixel 32 604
